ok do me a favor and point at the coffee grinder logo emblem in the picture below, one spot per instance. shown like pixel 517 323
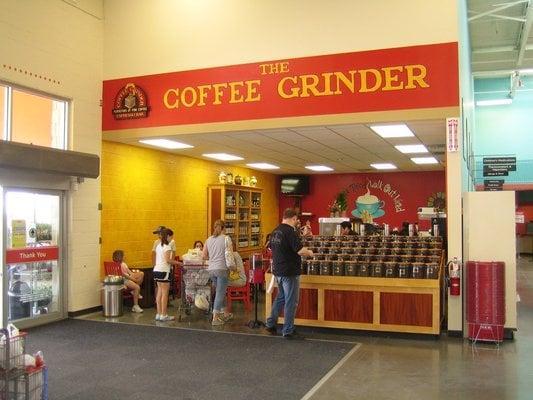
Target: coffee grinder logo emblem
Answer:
pixel 130 103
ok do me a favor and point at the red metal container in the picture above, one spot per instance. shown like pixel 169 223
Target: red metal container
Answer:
pixel 485 300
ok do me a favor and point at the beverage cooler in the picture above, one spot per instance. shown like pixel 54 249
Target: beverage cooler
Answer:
pixel 32 284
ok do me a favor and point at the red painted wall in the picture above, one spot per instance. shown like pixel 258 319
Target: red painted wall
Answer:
pixel 401 192
pixel 527 209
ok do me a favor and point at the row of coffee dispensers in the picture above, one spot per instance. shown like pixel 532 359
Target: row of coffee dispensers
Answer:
pixel 374 256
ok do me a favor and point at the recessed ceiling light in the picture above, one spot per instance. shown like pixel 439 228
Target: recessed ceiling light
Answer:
pixel 263 166
pixel 412 148
pixel 424 160
pixel 166 144
pixel 383 166
pixel 223 156
pixel 390 131
pixel 495 102
pixel 318 168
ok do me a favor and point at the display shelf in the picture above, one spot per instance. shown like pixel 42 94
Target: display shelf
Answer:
pixel 237 205
pixel 338 295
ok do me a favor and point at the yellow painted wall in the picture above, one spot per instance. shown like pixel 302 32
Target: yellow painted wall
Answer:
pixel 144 188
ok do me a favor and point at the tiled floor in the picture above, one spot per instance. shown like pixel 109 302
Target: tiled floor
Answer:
pixel 395 368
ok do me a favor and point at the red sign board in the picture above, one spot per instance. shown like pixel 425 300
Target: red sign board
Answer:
pixel 378 80
pixel 32 254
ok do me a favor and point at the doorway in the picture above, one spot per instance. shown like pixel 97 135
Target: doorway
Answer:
pixel 33 290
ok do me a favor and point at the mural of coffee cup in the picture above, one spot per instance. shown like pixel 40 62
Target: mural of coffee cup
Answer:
pixel 368 205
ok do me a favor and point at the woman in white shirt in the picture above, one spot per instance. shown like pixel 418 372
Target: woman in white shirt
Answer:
pixel 163 260
pixel 218 250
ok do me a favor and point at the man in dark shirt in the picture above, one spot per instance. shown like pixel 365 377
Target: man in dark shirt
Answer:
pixel 286 267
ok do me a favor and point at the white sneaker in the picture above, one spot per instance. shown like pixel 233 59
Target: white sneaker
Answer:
pixel 166 318
pixel 137 309
pixel 157 317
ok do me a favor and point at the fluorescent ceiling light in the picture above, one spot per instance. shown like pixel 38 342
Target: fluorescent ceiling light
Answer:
pixel 424 160
pixel 223 156
pixel 496 102
pixel 383 166
pixel 263 165
pixel 412 148
pixel 166 144
pixel 527 71
pixel 391 131
pixel 318 168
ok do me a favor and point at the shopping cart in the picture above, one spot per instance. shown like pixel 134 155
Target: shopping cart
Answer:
pixel 18 382
pixel 194 282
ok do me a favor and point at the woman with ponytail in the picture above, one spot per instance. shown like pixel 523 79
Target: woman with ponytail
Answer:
pixel 218 250
pixel 163 260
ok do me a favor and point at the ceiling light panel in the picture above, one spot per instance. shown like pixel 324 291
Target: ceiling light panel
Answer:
pixel 223 156
pixel 424 160
pixel 391 131
pixel 411 148
pixel 383 166
pixel 319 168
pixel 262 166
pixel 495 102
pixel 166 144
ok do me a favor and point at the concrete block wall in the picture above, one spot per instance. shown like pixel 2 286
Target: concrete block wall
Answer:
pixel 56 47
pixel 144 188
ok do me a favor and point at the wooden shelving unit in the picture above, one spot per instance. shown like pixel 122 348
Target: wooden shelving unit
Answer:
pixel 241 208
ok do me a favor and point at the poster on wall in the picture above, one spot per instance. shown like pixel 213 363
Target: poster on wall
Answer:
pixel 18 233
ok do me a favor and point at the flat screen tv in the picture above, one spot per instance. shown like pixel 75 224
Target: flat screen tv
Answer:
pixel 295 185
pixel 525 197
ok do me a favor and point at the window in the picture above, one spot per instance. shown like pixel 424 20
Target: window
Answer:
pixel 3 106
pixel 33 118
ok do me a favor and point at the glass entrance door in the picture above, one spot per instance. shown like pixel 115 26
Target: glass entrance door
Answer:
pixel 33 278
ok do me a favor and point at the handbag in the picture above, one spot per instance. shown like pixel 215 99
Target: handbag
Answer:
pixel 234 275
pixel 228 253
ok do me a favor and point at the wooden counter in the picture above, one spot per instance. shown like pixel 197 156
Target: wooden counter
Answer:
pixel 378 304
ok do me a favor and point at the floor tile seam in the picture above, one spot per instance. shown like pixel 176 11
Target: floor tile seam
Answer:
pixel 331 372
pixel 216 331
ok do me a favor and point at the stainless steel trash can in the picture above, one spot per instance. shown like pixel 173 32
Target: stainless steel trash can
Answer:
pixel 113 303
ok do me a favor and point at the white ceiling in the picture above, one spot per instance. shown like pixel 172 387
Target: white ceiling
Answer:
pixel 501 37
pixel 345 148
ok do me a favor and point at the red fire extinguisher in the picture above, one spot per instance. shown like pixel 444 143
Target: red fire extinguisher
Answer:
pixel 454 273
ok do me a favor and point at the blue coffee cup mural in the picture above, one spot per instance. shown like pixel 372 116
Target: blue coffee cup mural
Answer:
pixel 368 207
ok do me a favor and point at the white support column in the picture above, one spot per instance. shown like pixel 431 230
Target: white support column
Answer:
pixel 454 214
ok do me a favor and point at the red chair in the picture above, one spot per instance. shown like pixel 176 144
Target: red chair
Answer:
pixel 240 293
pixel 113 268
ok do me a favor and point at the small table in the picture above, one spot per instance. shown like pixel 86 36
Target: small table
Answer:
pixel 147 287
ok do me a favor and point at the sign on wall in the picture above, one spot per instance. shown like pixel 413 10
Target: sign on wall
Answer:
pixel 498 166
pixel 452 134
pixel 377 80
pixel 32 254
pixel 18 233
